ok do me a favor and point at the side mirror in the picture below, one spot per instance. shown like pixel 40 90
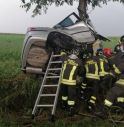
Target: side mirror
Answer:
pixel 57 26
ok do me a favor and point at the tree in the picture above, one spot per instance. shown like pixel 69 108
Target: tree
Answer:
pixel 42 5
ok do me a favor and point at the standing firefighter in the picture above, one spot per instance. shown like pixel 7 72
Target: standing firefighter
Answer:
pixel 72 66
pixel 92 80
pixel 104 71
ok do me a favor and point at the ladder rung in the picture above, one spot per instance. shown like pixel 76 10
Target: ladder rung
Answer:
pixel 50 85
pixel 55 62
pixel 47 95
pixel 52 76
pixel 56 55
pixel 45 105
pixel 51 69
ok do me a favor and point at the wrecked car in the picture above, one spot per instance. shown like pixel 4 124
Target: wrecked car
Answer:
pixel 71 32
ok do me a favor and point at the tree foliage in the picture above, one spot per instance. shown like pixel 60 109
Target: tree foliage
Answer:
pixel 41 6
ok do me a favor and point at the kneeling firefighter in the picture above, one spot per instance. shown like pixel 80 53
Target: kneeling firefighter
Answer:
pixel 72 66
pixel 117 91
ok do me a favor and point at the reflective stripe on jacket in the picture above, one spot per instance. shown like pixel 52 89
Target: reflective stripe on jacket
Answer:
pixel 117 71
pixel 120 99
pixel 108 103
pixel 120 82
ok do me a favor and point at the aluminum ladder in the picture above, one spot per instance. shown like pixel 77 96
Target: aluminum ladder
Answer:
pixel 54 81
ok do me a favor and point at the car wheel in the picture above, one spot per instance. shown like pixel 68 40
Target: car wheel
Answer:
pixel 37 56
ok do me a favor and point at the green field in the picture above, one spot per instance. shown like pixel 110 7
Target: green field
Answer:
pixel 18 91
pixel 10 52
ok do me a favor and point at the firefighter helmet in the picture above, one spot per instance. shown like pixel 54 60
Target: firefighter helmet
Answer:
pixel 86 54
pixel 89 55
pixel 122 39
pixel 117 48
pixel 99 51
pixel 73 56
pixel 107 52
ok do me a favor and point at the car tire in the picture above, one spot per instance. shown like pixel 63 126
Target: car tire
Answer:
pixel 37 56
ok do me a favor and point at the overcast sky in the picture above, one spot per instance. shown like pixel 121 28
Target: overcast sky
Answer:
pixel 108 20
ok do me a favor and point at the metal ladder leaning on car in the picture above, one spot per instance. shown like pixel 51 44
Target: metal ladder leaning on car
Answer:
pixel 53 61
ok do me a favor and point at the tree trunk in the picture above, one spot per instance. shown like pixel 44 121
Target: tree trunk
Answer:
pixel 82 9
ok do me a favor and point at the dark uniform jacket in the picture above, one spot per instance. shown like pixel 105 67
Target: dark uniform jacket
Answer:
pixel 118 66
pixel 71 68
pixel 92 68
pixel 117 62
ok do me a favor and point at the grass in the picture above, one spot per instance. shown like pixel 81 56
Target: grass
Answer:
pixel 10 52
pixel 112 43
pixel 19 91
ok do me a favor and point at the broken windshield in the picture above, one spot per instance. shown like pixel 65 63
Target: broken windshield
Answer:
pixel 68 21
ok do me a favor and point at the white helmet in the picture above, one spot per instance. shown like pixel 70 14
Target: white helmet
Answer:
pixel 73 56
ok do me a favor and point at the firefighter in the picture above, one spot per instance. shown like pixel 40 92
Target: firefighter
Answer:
pixel 117 91
pixel 83 87
pixel 110 55
pixel 104 71
pixel 72 66
pixel 91 81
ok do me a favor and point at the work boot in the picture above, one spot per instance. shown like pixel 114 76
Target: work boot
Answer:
pixel 82 97
pixel 102 112
pixel 71 111
pixel 91 107
pixel 64 105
